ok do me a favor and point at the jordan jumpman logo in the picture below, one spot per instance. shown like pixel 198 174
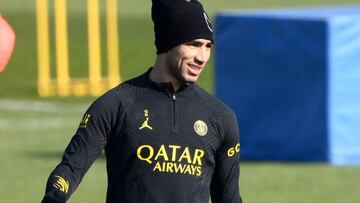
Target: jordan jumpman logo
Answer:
pixel 146 122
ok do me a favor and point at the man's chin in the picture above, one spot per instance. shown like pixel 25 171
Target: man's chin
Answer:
pixel 187 79
pixel 191 80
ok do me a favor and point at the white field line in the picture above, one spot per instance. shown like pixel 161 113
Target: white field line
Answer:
pixel 38 123
pixel 41 106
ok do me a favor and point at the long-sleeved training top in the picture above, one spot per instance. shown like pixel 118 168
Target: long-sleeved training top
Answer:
pixel 161 146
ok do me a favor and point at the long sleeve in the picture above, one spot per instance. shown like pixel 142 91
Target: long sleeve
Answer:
pixel 83 149
pixel 224 186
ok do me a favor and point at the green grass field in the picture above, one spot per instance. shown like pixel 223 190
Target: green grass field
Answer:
pixel 34 131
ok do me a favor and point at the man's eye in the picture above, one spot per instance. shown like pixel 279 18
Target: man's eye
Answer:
pixel 194 44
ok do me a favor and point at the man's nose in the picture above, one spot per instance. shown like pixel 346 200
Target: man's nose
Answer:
pixel 202 55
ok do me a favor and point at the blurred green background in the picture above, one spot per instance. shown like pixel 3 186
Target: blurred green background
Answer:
pixel 34 131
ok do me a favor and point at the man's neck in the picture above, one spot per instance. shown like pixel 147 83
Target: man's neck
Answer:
pixel 159 74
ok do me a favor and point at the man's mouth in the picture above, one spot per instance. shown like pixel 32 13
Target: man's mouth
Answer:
pixel 194 69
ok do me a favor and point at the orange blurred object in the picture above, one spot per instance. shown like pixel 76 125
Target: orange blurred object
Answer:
pixel 7 42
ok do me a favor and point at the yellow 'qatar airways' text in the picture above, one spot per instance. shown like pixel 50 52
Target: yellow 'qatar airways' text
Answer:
pixel 173 158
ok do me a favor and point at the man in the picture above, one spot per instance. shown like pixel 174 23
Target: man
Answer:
pixel 165 138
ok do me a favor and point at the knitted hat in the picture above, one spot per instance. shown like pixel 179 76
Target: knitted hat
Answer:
pixel 177 22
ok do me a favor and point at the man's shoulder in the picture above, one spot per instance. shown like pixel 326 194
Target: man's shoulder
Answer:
pixel 126 91
pixel 212 102
pixel 133 86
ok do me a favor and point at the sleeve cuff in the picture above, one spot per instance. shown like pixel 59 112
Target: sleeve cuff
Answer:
pixel 47 199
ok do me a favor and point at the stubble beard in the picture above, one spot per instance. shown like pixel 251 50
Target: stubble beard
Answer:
pixel 176 72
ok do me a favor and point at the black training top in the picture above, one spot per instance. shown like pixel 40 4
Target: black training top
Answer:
pixel 161 146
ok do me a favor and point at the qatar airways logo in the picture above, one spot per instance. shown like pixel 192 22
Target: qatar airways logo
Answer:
pixel 172 159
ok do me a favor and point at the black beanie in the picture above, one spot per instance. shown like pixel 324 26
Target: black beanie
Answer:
pixel 179 21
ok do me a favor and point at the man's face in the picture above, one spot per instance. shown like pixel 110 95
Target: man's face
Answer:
pixel 185 62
